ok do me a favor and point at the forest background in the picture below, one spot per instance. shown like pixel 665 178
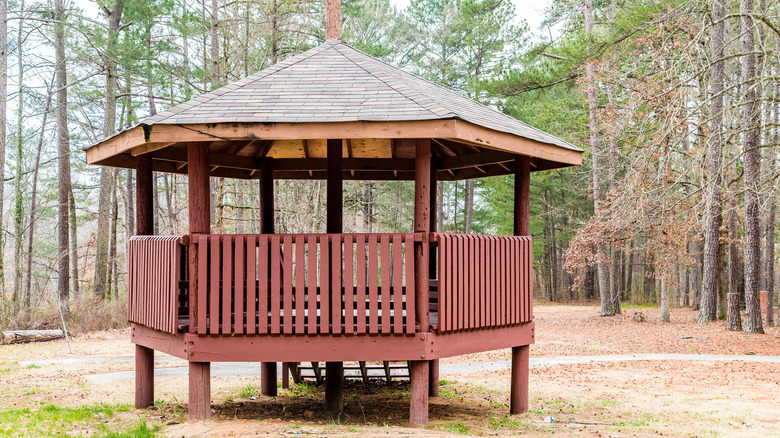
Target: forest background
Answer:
pixel 676 103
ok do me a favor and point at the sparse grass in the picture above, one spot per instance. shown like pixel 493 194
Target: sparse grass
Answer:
pixel 249 391
pixel 446 390
pixel 32 366
pixel 52 420
pixel 304 388
pixel 504 423
pixel 457 428
pixel 141 430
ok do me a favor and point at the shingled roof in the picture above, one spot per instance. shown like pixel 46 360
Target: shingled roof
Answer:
pixel 335 91
pixel 334 82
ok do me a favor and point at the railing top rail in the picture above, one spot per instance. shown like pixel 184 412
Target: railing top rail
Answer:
pixel 321 236
pixel 181 239
pixel 480 236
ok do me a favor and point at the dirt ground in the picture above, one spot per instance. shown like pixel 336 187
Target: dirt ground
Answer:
pixel 638 398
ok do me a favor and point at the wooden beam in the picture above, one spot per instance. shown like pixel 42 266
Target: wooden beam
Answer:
pixel 200 391
pixel 268 379
pixel 518 400
pixel 144 195
pixel 198 179
pixel 267 196
pixel 335 189
pixel 418 397
pixel 144 377
pixel 334 387
pixel 145 134
pixel 422 224
pixel 522 217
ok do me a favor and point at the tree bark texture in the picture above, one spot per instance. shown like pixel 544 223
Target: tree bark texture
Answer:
pixel 713 210
pixel 63 161
pixel 751 122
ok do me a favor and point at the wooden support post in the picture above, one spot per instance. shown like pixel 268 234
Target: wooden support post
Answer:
pixel 267 369
pixel 200 391
pixel 418 399
pixel 200 223
pixel 520 355
pixel 433 365
pixel 144 377
pixel 335 190
pixel 334 371
pixel 334 387
pixel 433 378
pixel 422 224
pixel 268 379
pixel 285 375
pixel 522 195
pixel 144 357
pixel 519 396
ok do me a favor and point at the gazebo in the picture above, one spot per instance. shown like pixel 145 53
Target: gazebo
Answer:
pixel 332 113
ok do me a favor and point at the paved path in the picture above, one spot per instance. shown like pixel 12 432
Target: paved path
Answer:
pixel 244 369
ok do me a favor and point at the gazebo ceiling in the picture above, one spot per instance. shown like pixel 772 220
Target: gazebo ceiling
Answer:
pixel 287 112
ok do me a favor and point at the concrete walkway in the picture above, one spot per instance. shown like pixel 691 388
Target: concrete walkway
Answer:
pixel 244 369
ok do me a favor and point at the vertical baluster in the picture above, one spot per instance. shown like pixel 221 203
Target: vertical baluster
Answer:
pixel 349 286
pixel 276 299
pixel 398 272
pixel 214 290
pixel 311 246
pixel 300 288
pixel 360 256
pixel 251 284
pixel 287 258
pixel 410 292
pixel 335 290
pixel 373 283
pixel 385 253
pixel 239 293
pixel 227 283
pixel 324 284
pixel 203 286
pixel 263 289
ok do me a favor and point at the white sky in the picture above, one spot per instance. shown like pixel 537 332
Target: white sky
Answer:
pixel 532 11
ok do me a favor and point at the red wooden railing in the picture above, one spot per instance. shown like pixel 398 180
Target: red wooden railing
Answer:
pixel 154 271
pixel 305 284
pixel 484 281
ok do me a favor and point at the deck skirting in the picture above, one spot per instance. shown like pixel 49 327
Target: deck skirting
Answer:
pixel 329 347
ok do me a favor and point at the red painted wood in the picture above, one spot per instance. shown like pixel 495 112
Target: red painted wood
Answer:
pixel 335 290
pixel 384 247
pixel 311 320
pixel 422 224
pixel 349 285
pixel 240 294
pixel 410 296
pixel 335 192
pixel 268 379
pixel 443 281
pixel 529 279
pixel 144 195
pixel 418 397
pixel 518 403
pixel 300 284
pixel 522 196
pixel 144 377
pixel 360 256
pixel 198 182
pixel 461 268
pixel 433 378
pixel 227 283
pixel 251 284
pixel 288 286
pixel 324 325
pixel 472 300
pixel 263 284
pixel 373 283
pixel 398 272
pixel 214 300
pixel 266 196
pixel 334 387
pixel 276 308
pixel 199 391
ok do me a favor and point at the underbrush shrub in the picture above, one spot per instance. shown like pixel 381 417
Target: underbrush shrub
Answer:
pixel 93 315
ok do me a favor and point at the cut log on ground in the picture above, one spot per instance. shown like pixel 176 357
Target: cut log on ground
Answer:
pixel 22 336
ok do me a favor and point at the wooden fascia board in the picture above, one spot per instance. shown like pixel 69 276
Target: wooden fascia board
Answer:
pixel 488 138
pixel 146 137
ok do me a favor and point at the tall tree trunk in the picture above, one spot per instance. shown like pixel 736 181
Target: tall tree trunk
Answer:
pixel 169 204
pixel 601 253
pixel 215 77
pixel 751 124
pixel 665 300
pixel 733 318
pixel 113 267
pixel 33 202
pixel 106 174
pixel 63 160
pixel 469 204
pixel 770 172
pixel 769 268
pixel 74 246
pixel 19 301
pixel 3 109
pixel 713 215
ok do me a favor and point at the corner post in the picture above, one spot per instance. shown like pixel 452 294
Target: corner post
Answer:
pixel 334 371
pixel 521 354
pixel 433 365
pixel 200 223
pixel 268 374
pixel 419 369
pixel 144 357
